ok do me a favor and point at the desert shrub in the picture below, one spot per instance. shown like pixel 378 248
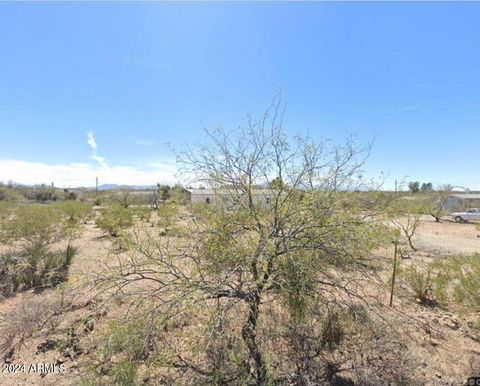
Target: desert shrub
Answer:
pixel 465 274
pixel 420 283
pixel 166 214
pixel 167 220
pixel 332 331
pixel 306 345
pixel 157 196
pixel 359 313
pixel 254 258
pixel 41 193
pixel 135 339
pixel 428 283
pixel 451 280
pixel 69 195
pixel 6 209
pixel 56 265
pixel 27 318
pixel 35 268
pixel 123 346
pixel 375 352
pixel 9 194
pixel 143 213
pixel 34 226
pixel 9 283
pixel 32 230
pixel 124 373
pixel 76 211
pixel 180 195
pixel 92 378
pixel 301 363
pixel 114 218
pixel 379 355
pixel 434 203
pixel 124 197
pixel 406 216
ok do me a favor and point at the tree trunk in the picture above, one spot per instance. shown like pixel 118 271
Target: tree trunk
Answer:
pixel 411 244
pixel 258 369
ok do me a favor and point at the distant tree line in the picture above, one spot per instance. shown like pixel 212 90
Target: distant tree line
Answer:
pixel 415 187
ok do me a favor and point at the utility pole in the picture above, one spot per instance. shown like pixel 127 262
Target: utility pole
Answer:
pixel 396 187
pixel 96 186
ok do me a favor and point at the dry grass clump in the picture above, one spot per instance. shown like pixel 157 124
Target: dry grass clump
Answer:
pixel 30 316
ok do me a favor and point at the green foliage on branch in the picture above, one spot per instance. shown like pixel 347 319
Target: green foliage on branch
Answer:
pixel 35 226
pixel 114 218
pixel 31 231
pixel 77 212
pixel 451 280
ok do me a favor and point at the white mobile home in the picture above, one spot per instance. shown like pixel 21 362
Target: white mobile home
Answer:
pixel 462 201
pixel 229 198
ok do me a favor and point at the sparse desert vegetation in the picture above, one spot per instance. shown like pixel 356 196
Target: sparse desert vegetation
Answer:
pixel 148 288
pixel 239 193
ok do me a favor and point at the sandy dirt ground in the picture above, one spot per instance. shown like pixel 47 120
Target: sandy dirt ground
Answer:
pixel 448 237
pixel 443 343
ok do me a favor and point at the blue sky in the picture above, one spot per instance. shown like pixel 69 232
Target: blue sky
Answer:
pixel 139 75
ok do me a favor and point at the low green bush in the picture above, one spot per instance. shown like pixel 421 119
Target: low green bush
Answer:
pixel 332 331
pixel 133 338
pixel 35 268
pixel 143 213
pixel 77 212
pixel 124 374
pixel 466 281
pixel 114 218
pixel 427 284
pixel 167 222
pixel 6 209
pixel 450 280
pixel 34 226
pixel 9 194
pixel 123 346
pixel 31 231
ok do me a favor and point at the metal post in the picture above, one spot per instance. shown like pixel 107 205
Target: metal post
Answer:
pixel 394 272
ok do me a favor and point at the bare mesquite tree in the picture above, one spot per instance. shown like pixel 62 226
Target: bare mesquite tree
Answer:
pixel 124 197
pixel 407 217
pixel 435 202
pixel 293 251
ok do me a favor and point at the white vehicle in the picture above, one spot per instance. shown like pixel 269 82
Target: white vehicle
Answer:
pixel 472 214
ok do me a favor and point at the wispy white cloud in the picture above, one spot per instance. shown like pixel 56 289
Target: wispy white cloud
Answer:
pixel 145 142
pixel 91 141
pixel 148 172
pixel 102 161
pixel 83 174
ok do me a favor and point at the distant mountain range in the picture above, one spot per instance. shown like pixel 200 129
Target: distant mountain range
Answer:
pixel 100 187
